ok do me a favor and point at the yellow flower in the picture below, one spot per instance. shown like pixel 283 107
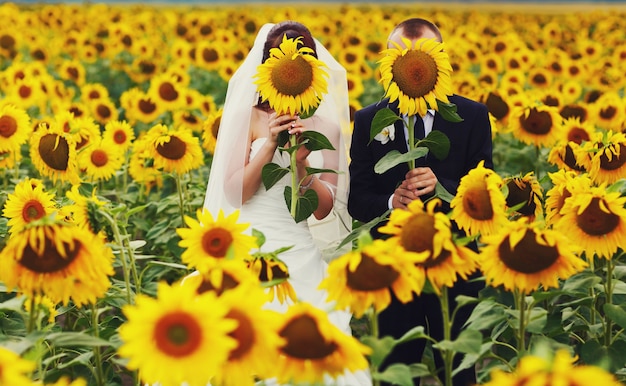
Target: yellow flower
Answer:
pixel 479 205
pixel 141 165
pixel 81 209
pixel 64 381
pixel 28 202
pixel 594 219
pixel 210 129
pixel 273 274
pixel 608 157
pixel 14 370
pixel 59 260
pixel 417 76
pixel 53 152
pixel 560 191
pixel 207 239
pixel 14 127
pixel 536 125
pixel 100 160
pixel 177 337
pixel 222 276
pixel 525 190
pixel 522 256
pixel 118 134
pixel 315 349
pixel 175 150
pixel 292 80
pixel 364 278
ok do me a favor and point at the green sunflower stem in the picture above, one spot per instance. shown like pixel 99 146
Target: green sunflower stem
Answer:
pixel 411 129
pixel 97 355
pixel 181 203
pixel 126 271
pixel 374 333
pixel 32 315
pixel 608 334
pixel 520 303
pixel 592 292
pixel 293 141
pixel 448 355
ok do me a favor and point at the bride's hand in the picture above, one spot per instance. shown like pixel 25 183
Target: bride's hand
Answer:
pixel 278 124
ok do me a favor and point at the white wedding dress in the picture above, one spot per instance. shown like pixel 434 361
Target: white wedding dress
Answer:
pixel 267 212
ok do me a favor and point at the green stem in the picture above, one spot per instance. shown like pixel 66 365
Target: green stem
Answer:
pixel 32 316
pixel 411 129
pixel 448 355
pixel 374 333
pixel 592 292
pixel 96 350
pixel 120 243
pixel 180 198
pixel 521 338
pixel 294 177
pixel 608 334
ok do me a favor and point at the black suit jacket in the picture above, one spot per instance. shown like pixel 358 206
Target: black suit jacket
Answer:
pixel 470 142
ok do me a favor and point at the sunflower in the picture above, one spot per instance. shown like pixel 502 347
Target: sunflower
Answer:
pixel 28 202
pixel 177 337
pixel 141 164
pixel 15 127
pixel 536 125
pixel 222 276
pixel 364 278
pixel 497 106
pixel 81 209
pixel 14 370
pixel 315 349
pixel 594 218
pixel 174 150
pixel 525 190
pixel 425 236
pixel 569 156
pixel 210 129
pixel 523 256
pixel 273 274
pixel 560 191
pixel 64 381
pixel 608 156
pixel 576 131
pixel 140 106
pixel 256 335
pixel 53 152
pixel 479 206
pixel 74 71
pixel 608 112
pixel 207 239
pixel 103 110
pixel 118 134
pixel 292 80
pixel 167 90
pixel 581 111
pixel 91 92
pixel 560 370
pixel 100 161
pixel 417 76
pixel 44 303
pixel 59 260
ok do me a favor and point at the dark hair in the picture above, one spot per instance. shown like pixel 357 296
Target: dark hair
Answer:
pixel 292 29
pixel 414 28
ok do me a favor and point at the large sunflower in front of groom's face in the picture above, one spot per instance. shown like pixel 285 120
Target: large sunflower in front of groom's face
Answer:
pixel 416 76
pixel 292 80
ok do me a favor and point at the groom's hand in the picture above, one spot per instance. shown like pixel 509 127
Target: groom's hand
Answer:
pixel 420 181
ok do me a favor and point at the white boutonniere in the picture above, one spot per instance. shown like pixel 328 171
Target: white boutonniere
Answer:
pixel 386 134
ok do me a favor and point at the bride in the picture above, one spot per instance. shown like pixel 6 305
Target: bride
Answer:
pixel 247 140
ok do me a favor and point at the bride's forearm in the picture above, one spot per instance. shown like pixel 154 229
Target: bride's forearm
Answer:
pixel 252 172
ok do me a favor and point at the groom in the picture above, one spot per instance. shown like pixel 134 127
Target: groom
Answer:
pixel 372 194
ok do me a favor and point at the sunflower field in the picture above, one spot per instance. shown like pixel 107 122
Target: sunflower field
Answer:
pixel 108 122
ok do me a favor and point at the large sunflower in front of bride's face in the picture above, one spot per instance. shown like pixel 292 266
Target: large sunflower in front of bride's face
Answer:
pixel 594 219
pixel 28 202
pixel 59 260
pixel 365 278
pixel 417 76
pixel 177 338
pixel 426 235
pixel 522 256
pixel 479 206
pixel 207 239
pixel 292 80
pixel 315 349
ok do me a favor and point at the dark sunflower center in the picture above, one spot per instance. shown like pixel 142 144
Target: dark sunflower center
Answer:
pixel 8 126
pixel 25 92
pixel 146 106
pixel 216 242
pixel 292 77
pixel 243 334
pixel 168 92
pixel 54 151
pixel 570 159
pixel 174 149
pixel 415 73
pixel 566 194
pixel 608 113
pixel 304 341
pixel 99 158
pixel 573 111
pixel 33 210
pixel 177 334
pixel 596 222
pixel 434 262
pixel 497 106
pixel 615 162
pixel 521 192
pixel 477 204
pixel 370 276
pixel 210 55
pixel 417 234
pixel 103 111
pixel 578 135
pixel 537 122
pixel 216 127
pixel 277 271
pixel 119 137
pixel 528 256
pixel 228 282
pixel 50 259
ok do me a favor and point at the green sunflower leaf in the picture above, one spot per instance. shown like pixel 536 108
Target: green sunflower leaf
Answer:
pixel 468 342
pixel 396 374
pixel 437 143
pixel 394 158
pixel 310 171
pixel 316 141
pixel 616 313
pixel 271 174
pixel 383 118
pixel 448 111
pixel 306 205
